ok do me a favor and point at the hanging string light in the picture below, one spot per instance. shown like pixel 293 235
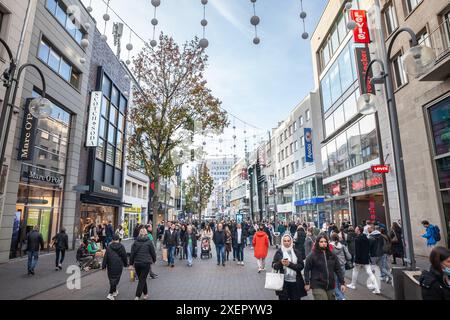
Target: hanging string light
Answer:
pixel 204 42
pixel 89 8
pixel 305 35
pixel 255 21
pixel 351 24
pixel 129 48
pixel 106 18
pixel 156 4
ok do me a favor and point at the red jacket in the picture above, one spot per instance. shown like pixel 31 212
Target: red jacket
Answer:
pixel 261 244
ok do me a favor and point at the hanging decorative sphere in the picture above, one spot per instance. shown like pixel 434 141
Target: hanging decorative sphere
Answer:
pixel 253 1
pixel 153 43
pixel 234 127
pixel 348 5
pixel 204 22
pixel 204 43
pixel 351 25
pixel 204 2
pixel 106 17
pixel 234 137
pixel 126 93
pixel 156 3
pixel 104 37
pixel 256 40
pixel 127 77
pixel 303 15
pixel 305 35
pixel 84 43
pixel 82 60
pixel 89 9
pixel 129 46
pixel 220 140
pixel 87 26
pixel 204 143
pixel 255 20
pixel 154 21
pixel 128 62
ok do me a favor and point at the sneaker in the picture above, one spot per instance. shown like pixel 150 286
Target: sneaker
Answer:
pixel 115 294
pixel 60 266
pixel 234 259
pixel 137 298
pixel 371 287
pixel 259 270
pixel 110 297
pixel 377 292
pixel 32 272
pixel 172 266
pixel 242 263
pixel 57 269
pixel 145 297
pixel 351 286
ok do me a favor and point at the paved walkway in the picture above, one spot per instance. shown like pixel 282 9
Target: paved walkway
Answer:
pixel 204 281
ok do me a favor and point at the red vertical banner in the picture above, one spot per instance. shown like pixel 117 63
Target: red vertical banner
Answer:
pixel 362 56
pixel 372 210
pixel 361 32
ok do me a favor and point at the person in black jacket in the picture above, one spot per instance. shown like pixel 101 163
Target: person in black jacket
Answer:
pixel 171 241
pixel 190 244
pixel 289 262
pixel 238 240
pixel 219 239
pixel 34 241
pixel 436 282
pixel 142 255
pixel 61 243
pixel 114 261
pixel 299 241
pixel 83 257
pixel 109 232
pixel 320 269
pixel 362 260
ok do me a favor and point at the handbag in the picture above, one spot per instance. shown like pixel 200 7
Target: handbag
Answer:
pixel 132 275
pixel 164 255
pixel 349 265
pixel 274 281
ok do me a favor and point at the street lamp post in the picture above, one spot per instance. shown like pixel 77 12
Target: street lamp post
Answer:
pixel 418 60
pixel 39 107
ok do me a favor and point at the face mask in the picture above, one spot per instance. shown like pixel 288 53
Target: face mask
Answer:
pixel 447 271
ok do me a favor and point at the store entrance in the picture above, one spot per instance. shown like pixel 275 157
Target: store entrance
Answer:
pixel 370 207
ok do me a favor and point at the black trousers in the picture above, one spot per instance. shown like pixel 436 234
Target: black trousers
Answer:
pixel 142 270
pixel 113 282
pixel 60 254
pixel 290 292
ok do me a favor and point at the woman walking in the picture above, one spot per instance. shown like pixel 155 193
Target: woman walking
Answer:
pixel 207 232
pixel 289 262
pixel 309 241
pixel 114 261
pixel 142 255
pixel 436 282
pixel 343 256
pixel 261 248
pixel 396 236
pixel 228 241
pixel 320 269
pixel 299 241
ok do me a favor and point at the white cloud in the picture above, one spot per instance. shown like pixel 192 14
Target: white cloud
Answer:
pixel 226 12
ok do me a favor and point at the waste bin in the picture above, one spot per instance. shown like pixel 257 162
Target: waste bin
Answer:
pixel 277 239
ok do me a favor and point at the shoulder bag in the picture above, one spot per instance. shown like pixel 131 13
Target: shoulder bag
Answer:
pixel 274 281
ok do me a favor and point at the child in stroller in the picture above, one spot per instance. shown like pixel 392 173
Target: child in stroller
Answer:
pixel 206 248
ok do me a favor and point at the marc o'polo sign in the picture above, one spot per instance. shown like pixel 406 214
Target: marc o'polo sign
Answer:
pixel 28 136
pixel 94 119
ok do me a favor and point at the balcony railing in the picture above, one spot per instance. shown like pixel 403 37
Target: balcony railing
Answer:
pixel 439 40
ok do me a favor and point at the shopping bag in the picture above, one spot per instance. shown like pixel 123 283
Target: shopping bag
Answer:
pixel 274 281
pixel 164 255
pixel 132 275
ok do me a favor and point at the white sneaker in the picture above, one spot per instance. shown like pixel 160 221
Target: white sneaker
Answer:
pixel 242 263
pixel 351 286
pixel 115 294
pixel 110 297
pixel 137 298
pixel 145 297
pixel 376 292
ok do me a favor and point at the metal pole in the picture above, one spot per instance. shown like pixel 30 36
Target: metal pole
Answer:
pixel 165 203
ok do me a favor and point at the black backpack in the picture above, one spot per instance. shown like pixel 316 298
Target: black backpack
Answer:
pixel 436 233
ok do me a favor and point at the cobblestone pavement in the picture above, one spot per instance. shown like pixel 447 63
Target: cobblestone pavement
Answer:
pixel 204 281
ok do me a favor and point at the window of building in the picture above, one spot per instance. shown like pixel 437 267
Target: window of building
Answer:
pixel 292 168
pixel 301 121
pixel 308 115
pixel 295 126
pixel 369 143
pixel 342 161
pixel 302 141
pixel 354 145
pixel 411 5
pixel 292 148
pixel 440 126
pixel 59 11
pixel 303 162
pixel 390 18
pixel 399 71
pixel 284 173
pixel 290 130
pixel 423 38
pixel 295 145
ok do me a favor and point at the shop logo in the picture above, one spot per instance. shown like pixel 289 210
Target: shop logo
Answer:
pixel 309 158
pixel 110 190
pixel 50 179
pixel 27 139
pixel 74 280
pixel 94 119
pixel 361 32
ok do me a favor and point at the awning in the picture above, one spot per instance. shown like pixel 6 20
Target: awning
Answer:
pixel 103 201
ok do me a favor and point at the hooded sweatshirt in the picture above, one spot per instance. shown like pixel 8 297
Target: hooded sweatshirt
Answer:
pixel 341 253
pixel 376 244
pixel 115 259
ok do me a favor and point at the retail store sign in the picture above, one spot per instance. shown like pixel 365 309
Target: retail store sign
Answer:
pixel 362 56
pixel 309 156
pixel 94 119
pixel 28 137
pixel 381 169
pixel 312 201
pixel 45 178
pixel 361 32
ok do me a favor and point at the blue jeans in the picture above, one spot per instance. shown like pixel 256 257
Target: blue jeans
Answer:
pixel 239 249
pixel 171 254
pixel 220 250
pixel 339 294
pixel 33 257
pixel 189 254
pixel 107 241
pixel 385 267
pixel 251 241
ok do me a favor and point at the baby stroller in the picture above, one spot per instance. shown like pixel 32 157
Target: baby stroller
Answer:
pixel 206 249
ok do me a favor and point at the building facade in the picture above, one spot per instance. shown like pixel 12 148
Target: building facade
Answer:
pixel 42 177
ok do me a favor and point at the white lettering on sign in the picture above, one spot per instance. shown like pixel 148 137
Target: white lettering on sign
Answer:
pixel 94 119
pixel 110 190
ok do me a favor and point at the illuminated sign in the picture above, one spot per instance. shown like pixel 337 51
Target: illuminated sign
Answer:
pixel 361 32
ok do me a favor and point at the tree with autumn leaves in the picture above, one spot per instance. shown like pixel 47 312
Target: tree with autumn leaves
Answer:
pixel 198 190
pixel 172 96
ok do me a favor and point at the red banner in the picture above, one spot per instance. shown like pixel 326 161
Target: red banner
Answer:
pixel 381 169
pixel 361 32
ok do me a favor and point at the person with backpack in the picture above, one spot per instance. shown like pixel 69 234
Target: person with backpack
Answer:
pixel 376 249
pixel 114 261
pixel 432 234
pixel 343 255
pixel 61 243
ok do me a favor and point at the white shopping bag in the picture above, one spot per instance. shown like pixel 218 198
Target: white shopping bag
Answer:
pixel 274 281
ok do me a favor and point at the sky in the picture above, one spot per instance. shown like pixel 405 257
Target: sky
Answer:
pixel 259 84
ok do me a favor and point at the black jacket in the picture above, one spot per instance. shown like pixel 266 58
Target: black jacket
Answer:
pixel 82 252
pixel 298 267
pixel 61 241
pixel 142 251
pixel 234 237
pixel 186 240
pixel 182 237
pixel 219 238
pixel 351 236
pixel 115 259
pixel 109 231
pixel 171 238
pixel 376 244
pixel 362 249
pixel 320 268
pixel 433 286
pixel 34 241
pixel 300 243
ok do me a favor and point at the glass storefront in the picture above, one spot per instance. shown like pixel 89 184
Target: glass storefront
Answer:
pixel 132 217
pixel 94 215
pixel 41 185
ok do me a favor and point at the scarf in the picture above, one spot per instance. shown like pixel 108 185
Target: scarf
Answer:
pixel 288 253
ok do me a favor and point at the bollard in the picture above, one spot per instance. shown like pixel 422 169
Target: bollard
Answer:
pixel 399 289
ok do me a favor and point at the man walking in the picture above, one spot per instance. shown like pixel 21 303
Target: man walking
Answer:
pixel 376 244
pixel 238 243
pixel 34 241
pixel 109 232
pixel 171 242
pixel 61 243
pixel 432 234
pixel 219 239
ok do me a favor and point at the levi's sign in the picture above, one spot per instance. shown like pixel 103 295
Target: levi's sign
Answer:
pixel 381 169
pixel 94 119
pixel 361 32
